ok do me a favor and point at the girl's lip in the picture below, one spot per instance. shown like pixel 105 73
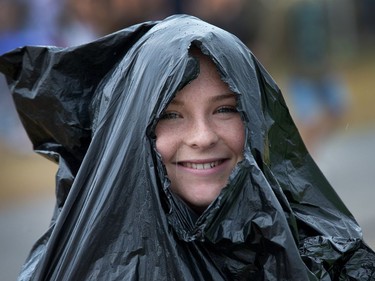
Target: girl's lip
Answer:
pixel 200 161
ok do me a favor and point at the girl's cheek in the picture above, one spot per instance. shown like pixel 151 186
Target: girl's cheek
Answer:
pixel 164 144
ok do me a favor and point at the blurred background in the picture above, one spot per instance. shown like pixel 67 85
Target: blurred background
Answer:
pixel 320 52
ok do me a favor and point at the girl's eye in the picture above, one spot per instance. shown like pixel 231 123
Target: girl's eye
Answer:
pixel 170 115
pixel 227 109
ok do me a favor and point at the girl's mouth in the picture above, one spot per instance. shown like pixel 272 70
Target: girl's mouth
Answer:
pixel 201 166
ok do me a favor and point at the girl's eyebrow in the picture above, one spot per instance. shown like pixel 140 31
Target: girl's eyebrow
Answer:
pixel 224 96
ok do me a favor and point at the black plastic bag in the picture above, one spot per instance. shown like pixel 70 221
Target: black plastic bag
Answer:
pixel 93 110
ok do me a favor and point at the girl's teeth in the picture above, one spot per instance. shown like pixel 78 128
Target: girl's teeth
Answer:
pixel 201 166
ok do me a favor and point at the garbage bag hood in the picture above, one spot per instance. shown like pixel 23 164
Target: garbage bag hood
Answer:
pixel 93 110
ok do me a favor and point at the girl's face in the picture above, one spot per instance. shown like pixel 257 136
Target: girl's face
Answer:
pixel 201 137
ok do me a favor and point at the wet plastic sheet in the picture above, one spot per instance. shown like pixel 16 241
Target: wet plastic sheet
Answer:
pixel 93 109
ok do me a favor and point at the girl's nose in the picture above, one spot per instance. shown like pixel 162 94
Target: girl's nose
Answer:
pixel 202 134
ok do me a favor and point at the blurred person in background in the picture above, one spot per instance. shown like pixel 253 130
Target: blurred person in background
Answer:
pixel 18 26
pixel 317 92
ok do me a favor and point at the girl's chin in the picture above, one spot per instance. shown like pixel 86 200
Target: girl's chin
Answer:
pixel 199 195
pixel 200 203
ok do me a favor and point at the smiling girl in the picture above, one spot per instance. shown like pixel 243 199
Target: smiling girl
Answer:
pixel 201 137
